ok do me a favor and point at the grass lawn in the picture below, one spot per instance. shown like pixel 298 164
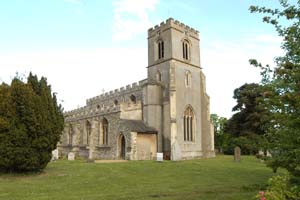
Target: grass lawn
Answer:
pixel 206 179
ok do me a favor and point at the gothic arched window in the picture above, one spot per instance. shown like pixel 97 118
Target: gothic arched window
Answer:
pixel 116 102
pixel 188 124
pixel 161 49
pixel 105 131
pixel 133 99
pixel 185 49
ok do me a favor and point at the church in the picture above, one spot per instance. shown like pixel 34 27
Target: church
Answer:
pixel 168 112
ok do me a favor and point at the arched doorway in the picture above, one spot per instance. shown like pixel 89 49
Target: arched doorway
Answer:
pixel 122 147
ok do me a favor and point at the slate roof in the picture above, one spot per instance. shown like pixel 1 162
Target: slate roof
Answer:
pixel 138 126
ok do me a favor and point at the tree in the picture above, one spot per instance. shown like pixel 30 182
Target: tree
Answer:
pixel 248 125
pixel 31 123
pixel 283 88
pixel 221 138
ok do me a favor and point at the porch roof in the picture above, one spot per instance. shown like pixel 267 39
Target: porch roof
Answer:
pixel 138 126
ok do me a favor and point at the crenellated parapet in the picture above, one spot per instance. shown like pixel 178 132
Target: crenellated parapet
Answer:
pixel 109 102
pixel 85 112
pixel 171 23
pixel 114 94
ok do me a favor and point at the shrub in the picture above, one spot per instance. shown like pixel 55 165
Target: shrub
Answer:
pixel 31 123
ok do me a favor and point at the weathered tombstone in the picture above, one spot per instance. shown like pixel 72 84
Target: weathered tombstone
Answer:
pixel 71 156
pixel 54 155
pixel 159 157
pixel 237 154
pixel 261 153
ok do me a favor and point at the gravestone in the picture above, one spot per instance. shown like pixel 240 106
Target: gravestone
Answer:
pixel 261 153
pixel 54 155
pixel 159 157
pixel 71 156
pixel 237 154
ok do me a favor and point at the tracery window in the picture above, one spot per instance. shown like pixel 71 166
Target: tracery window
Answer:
pixel 188 124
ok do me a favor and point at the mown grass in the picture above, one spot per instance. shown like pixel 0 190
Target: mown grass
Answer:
pixel 206 179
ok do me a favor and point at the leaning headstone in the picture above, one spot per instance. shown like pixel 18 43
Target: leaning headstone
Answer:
pixel 71 156
pixel 54 155
pixel 159 157
pixel 237 154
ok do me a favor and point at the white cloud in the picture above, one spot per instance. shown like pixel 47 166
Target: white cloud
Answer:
pixel 226 67
pixel 131 17
pixel 78 74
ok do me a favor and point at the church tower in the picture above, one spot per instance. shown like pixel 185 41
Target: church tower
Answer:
pixel 174 99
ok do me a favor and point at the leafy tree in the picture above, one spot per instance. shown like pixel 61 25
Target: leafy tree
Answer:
pixel 221 138
pixel 283 88
pixel 248 125
pixel 31 122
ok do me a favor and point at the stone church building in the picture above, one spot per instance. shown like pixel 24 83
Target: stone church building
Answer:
pixel 167 112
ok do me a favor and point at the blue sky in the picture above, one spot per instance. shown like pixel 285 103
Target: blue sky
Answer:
pixel 84 46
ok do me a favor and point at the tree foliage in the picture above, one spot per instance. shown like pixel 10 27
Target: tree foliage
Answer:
pixel 283 87
pixel 31 123
pixel 221 138
pixel 248 125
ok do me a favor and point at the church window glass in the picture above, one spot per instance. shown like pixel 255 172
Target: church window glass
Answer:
pixel 161 49
pixel 185 49
pixel 188 124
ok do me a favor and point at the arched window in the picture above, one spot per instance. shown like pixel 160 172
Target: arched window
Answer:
pixel 161 50
pixel 185 49
pixel 188 124
pixel 133 99
pixel 116 102
pixel 105 131
pixel 70 135
pixel 88 132
pixel 158 76
pixel 188 79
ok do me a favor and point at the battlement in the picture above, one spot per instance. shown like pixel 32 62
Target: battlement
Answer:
pixel 86 112
pixel 117 92
pixel 104 103
pixel 171 23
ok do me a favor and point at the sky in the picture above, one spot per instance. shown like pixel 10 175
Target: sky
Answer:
pixel 85 47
